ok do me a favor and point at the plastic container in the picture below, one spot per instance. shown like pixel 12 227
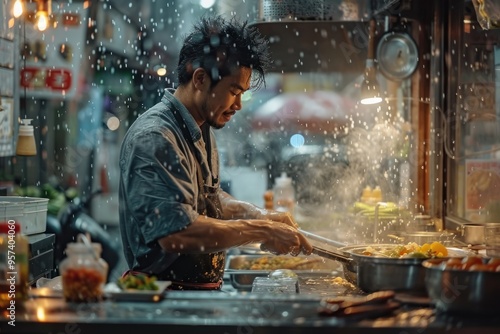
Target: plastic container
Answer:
pixel 83 272
pixel 377 195
pixel 268 200
pixel 284 194
pixel 371 196
pixel 366 195
pixel 266 285
pixel 14 269
pixel 30 212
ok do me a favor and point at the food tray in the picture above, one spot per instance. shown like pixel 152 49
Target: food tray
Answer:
pixel 242 279
pixel 30 212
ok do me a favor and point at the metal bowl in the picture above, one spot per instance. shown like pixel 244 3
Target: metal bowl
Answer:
pixel 422 237
pixel 461 291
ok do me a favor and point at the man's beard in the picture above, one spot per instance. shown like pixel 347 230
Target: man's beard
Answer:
pixel 210 117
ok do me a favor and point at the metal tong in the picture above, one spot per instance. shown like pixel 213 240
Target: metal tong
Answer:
pixel 326 248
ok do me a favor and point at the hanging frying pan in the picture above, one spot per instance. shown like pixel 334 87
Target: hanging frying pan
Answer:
pixel 397 55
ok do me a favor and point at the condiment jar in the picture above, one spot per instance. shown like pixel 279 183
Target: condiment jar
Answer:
pixel 83 272
pixel 269 200
pixel 14 269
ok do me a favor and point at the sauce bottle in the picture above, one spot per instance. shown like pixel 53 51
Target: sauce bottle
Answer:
pixel 284 194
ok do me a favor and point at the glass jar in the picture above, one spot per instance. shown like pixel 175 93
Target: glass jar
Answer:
pixel 83 272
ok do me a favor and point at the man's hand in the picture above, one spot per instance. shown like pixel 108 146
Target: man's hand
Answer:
pixel 282 217
pixel 285 239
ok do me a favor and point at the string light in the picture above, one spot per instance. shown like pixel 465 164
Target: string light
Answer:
pixel 42 20
pixel 17 9
pixel 42 14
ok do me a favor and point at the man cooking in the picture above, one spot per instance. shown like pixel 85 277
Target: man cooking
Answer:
pixel 176 222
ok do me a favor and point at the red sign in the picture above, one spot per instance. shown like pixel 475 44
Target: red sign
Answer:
pixel 55 80
pixel 53 57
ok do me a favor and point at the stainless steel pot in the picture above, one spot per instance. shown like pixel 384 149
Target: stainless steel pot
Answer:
pixel 376 273
pixel 473 233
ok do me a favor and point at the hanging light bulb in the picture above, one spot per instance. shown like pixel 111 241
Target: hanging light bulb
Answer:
pixel 43 12
pixel 42 20
pixel 370 89
pixel 17 9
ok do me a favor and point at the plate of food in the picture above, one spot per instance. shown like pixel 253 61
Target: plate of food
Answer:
pixel 137 288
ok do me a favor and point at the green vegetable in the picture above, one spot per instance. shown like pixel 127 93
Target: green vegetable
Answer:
pixel 138 282
pixel 417 255
pixel 385 210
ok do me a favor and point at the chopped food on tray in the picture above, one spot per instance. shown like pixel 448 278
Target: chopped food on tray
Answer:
pixel 273 262
pixel 137 282
pixel 410 250
pixel 337 280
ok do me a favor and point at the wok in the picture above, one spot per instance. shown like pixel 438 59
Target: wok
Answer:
pixel 377 273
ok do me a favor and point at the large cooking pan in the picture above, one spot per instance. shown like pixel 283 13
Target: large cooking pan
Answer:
pixel 377 273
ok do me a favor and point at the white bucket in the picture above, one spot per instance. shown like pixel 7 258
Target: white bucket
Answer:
pixel 30 212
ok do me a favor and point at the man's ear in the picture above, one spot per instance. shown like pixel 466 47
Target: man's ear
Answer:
pixel 200 79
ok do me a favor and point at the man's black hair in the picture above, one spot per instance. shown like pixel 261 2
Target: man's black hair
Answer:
pixel 220 46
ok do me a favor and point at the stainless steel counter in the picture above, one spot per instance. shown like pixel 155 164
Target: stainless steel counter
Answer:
pixel 230 311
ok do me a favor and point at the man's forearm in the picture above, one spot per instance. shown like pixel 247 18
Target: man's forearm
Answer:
pixel 235 209
pixel 207 235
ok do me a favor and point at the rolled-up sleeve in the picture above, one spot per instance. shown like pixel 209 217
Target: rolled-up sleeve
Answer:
pixel 158 179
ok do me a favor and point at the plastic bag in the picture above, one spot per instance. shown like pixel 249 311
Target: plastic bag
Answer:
pixel 54 283
pixel 488 13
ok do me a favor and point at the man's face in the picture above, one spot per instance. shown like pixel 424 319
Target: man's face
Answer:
pixel 224 99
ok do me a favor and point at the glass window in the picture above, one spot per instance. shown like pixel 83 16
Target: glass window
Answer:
pixel 472 124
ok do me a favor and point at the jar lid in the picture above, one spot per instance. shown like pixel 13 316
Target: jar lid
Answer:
pixel 80 247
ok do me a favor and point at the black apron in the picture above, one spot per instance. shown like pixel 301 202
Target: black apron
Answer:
pixel 198 271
